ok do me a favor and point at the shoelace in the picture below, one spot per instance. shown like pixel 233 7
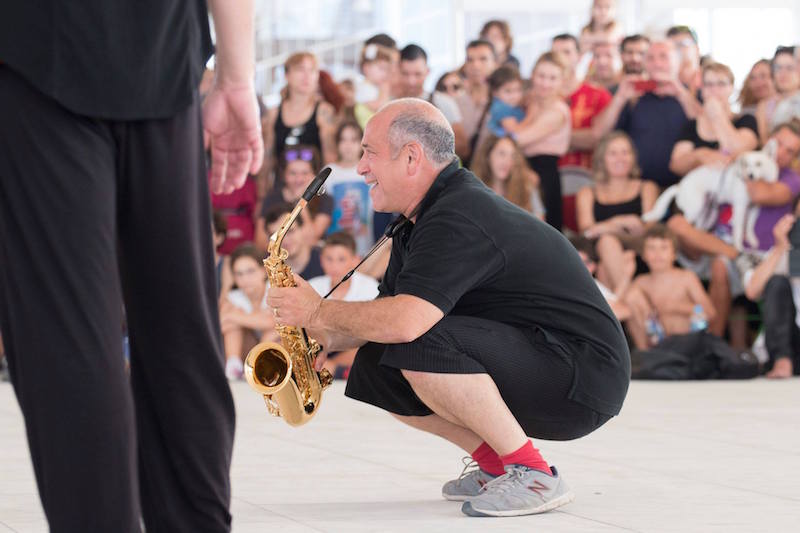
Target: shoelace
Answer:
pixel 470 466
pixel 508 481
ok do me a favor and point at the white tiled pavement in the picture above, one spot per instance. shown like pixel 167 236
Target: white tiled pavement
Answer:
pixel 691 456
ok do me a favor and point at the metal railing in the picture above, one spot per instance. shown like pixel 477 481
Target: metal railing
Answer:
pixel 338 56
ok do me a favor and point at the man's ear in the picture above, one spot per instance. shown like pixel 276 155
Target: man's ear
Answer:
pixel 414 156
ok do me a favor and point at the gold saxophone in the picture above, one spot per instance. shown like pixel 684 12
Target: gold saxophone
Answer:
pixel 284 373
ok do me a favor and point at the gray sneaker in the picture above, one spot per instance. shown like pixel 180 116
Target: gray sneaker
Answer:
pixel 468 484
pixel 519 491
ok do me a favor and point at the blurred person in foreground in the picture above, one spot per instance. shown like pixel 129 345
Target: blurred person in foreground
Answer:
pixel 122 156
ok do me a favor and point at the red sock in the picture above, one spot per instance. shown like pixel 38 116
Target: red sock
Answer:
pixel 528 456
pixel 488 460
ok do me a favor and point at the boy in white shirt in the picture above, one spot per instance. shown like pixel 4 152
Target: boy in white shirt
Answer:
pixel 338 258
pixel 244 315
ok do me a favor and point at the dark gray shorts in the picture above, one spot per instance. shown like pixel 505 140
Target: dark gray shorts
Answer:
pixel 532 371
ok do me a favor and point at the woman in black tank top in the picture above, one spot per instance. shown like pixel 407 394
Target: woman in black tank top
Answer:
pixel 610 210
pixel 289 136
pixel 301 118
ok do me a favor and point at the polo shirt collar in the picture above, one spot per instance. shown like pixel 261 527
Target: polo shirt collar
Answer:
pixel 438 186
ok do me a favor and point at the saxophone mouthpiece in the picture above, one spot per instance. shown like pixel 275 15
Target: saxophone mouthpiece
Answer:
pixel 316 184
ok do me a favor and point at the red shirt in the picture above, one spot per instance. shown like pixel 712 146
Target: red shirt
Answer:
pixel 584 104
pixel 238 208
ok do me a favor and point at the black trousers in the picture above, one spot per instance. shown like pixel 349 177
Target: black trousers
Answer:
pixel 546 166
pixel 533 374
pixel 91 210
pixel 781 333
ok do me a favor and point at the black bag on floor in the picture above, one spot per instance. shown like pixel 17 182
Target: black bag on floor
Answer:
pixel 697 355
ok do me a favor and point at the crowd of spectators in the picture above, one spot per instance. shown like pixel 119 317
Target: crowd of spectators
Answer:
pixel 627 116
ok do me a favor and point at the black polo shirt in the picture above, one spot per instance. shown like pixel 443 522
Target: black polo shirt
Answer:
pixel 109 59
pixel 473 253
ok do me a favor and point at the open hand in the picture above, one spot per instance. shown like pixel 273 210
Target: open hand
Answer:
pixel 232 129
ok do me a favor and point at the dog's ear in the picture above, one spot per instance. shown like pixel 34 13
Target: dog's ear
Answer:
pixel 771 149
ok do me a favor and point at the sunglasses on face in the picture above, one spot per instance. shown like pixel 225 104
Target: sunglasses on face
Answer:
pixel 303 155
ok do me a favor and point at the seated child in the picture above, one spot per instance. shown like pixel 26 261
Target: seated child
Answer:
pixel 245 317
pixel 338 258
pixel 668 300
pixel 506 108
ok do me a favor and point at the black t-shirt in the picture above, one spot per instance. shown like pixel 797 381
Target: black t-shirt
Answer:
pixel 473 253
pixel 314 266
pixel 689 132
pixel 654 123
pixel 109 58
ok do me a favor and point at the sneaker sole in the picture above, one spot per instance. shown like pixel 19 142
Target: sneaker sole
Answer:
pixel 457 497
pixel 548 506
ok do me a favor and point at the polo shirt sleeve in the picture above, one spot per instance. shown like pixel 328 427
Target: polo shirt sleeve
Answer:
pixel 689 132
pixel 449 255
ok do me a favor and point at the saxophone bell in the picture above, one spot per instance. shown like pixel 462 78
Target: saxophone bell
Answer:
pixel 268 367
pixel 284 373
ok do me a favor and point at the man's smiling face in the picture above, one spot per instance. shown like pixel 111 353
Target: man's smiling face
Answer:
pixel 383 170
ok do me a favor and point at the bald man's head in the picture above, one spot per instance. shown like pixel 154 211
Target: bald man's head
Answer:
pixel 412 119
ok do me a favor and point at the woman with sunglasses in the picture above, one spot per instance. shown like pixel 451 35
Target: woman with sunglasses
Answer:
pixel 297 167
pixel 302 116
pixel 451 83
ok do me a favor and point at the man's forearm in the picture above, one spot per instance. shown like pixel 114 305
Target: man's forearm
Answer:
pixel 380 320
pixel 235 46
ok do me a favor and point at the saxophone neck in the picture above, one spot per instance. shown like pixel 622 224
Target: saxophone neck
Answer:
pixel 276 239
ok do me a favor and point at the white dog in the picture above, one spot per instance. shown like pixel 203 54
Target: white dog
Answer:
pixel 699 194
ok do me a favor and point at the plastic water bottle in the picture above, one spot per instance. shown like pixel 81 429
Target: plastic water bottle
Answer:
pixel 655 331
pixel 698 321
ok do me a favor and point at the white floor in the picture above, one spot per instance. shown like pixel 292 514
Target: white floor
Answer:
pixel 704 456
